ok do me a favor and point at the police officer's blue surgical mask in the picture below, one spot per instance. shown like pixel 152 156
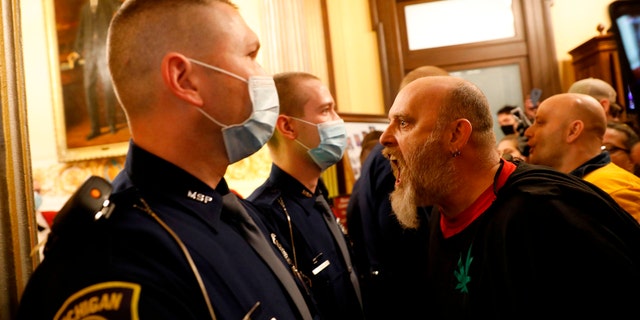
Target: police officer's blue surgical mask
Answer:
pixel 244 139
pixel 333 142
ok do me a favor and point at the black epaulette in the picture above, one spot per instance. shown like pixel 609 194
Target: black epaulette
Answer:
pixel 88 204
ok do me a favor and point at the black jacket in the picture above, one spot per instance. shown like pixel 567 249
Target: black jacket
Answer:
pixel 550 243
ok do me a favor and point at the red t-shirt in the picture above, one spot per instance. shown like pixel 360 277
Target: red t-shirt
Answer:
pixel 451 226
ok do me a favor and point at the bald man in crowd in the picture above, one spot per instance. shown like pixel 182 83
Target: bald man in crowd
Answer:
pixel 422 71
pixel 567 135
pixel 601 91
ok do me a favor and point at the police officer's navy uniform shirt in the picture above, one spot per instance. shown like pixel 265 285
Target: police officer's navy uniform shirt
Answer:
pixel 130 265
pixel 318 255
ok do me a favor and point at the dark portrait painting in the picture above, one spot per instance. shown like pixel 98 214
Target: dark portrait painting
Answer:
pixel 90 123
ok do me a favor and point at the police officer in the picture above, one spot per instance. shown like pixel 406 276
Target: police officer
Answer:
pixel 309 138
pixel 178 244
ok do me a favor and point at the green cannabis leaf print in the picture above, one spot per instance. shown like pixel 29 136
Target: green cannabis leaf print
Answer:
pixel 462 274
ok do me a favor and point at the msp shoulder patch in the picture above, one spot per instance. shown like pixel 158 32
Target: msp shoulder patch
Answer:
pixel 106 300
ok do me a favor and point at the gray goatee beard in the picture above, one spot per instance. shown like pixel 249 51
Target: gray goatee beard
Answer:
pixel 403 203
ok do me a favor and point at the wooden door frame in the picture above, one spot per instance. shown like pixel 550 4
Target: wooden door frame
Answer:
pixel 536 43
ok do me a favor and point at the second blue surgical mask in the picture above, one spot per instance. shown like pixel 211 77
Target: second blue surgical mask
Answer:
pixel 333 142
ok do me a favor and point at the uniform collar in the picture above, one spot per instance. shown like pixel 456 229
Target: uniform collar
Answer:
pixel 290 186
pixel 164 181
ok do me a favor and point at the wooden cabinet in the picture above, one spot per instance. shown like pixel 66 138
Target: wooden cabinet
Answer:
pixel 598 58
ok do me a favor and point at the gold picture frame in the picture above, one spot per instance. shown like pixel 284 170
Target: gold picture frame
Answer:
pixel 76 137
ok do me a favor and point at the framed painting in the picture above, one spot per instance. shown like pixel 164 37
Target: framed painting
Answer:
pixel 89 122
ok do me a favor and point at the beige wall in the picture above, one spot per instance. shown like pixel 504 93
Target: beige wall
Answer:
pixel 355 58
pixel 576 21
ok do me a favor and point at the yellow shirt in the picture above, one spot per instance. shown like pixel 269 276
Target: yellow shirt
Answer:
pixel 622 185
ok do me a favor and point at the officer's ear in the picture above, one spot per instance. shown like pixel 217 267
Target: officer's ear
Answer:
pixel 287 127
pixel 178 74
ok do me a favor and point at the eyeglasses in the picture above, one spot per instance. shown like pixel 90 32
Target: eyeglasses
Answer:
pixel 612 148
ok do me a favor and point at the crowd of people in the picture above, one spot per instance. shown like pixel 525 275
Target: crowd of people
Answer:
pixel 444 221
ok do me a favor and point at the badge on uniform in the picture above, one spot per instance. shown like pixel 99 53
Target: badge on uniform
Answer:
pixel 106 300
pixel 320 265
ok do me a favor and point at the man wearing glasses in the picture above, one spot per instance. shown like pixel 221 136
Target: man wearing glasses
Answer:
pixel 618 140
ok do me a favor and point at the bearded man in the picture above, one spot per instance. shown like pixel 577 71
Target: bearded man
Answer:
pixel 508 239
